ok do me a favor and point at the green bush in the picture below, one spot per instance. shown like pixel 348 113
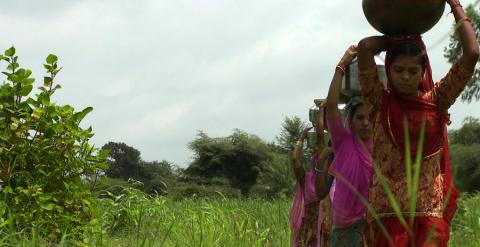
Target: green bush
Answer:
pixel 44 154
pixel 466 166
pixel 191 190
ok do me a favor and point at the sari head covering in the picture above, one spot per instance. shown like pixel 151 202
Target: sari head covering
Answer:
pixel 353 103
pixel 399 111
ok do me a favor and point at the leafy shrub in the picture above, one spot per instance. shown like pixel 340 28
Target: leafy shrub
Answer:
pixel 44 154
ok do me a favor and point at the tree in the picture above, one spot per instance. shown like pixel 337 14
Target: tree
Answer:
pixel 158 177
pixel 236 157
pixel 289 133
pixel 468 134
pixel 454 51
pixel 276 177
pixel 464 155
pixel 288 137
pixel 124 161
pixel 466 166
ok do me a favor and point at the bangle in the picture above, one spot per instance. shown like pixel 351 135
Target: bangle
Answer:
pixel 341 68
pixel 456 4
pixel 461 20
pixel 318 170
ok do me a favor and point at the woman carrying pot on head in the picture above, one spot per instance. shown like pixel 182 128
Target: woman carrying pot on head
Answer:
pixel 351 165
pixel 307 213
pixel 412 100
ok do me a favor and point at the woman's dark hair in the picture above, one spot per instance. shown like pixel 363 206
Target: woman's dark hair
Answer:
pixel 409 49
pixel 353 110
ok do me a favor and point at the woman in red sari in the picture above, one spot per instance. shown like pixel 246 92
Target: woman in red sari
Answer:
pixel 411 94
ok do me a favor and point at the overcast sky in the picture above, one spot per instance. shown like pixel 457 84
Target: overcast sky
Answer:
pixel 157 72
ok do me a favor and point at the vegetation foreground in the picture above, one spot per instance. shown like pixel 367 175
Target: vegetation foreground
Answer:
pixel 134 219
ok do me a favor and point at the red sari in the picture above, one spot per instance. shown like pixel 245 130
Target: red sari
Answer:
pixel 431 224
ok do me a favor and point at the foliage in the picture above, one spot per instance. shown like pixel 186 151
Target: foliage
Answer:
pixel 464 150
pixel 159 177
pixel 236 157
pixel 454 51
pixel 466 166
pixel 468 134
pixel 289 133
pixel 43 155
pixel 466 223
pixel 276 178
pixel 185 190
pixel 124 161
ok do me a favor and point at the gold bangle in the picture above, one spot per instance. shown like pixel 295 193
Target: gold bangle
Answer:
pixel 461 20
pixel 341 68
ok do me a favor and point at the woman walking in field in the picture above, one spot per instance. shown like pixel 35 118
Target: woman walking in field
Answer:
pixel 307 213
pixel 351 165
pixel 412 95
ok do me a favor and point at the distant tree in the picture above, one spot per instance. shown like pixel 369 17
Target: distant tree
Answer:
pixel 468 134
pixel 158 177
pixel 454 51
pixel 124 161
pixel 236 157
pixel 289 133
pixel 464 153
pixel 276 177
pixel 466 166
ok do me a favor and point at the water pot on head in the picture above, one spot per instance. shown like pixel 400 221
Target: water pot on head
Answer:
pixel 393 17
pixel 350 83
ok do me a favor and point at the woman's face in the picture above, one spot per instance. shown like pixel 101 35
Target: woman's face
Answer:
pixel 406 73
pixel 361 124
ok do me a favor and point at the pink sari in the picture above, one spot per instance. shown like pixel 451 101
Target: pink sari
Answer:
pixel 304 196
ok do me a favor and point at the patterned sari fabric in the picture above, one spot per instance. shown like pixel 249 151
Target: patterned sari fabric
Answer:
pixel 436 195
pixel 307 214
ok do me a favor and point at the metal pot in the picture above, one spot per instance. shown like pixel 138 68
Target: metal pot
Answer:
pixel 311 139
pixel 350 83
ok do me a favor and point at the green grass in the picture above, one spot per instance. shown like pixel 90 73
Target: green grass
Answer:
pixel 138 220
pixel 224 222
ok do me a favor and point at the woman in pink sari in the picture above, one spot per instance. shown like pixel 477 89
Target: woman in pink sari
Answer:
pixel 307 214
pixel 352 166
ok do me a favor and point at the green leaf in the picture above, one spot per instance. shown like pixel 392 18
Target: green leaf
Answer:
pixel 28 81
pixel 45 197
pixel 48 206
pixel 80 115
pixel 26 90
pixel 27 73
pixel 51 59
pixel 8 189
pixel 47 81
pixel 10 52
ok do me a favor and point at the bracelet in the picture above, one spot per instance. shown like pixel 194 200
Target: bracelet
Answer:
pixel 341 68
pixel 318 170
pixel 456 4
pixel 465 18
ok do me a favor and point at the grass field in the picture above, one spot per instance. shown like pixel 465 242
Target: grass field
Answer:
pixel 137 220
